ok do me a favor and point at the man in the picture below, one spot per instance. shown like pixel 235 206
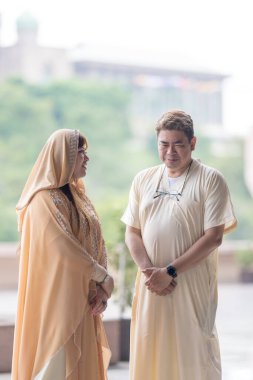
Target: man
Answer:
pixel 176 217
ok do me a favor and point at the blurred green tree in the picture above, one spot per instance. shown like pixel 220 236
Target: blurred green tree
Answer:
pixel 103 112
pixel 122 266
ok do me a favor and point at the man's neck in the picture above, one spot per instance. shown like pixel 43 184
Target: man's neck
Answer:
pixel 174 173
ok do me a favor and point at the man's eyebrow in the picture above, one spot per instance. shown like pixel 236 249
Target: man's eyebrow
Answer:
pixel 173 142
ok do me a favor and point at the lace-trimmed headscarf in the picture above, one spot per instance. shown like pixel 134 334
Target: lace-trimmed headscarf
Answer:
pixel 54 167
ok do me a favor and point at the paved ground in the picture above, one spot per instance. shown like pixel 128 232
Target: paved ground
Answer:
pixel 235 329
pixel 117 372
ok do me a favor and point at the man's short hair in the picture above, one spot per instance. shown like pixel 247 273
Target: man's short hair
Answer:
pixel 176 120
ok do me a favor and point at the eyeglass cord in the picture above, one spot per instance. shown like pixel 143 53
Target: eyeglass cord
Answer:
pixel 159 193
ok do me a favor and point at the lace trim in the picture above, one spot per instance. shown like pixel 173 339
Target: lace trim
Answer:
pixel 73 147
pixel 59 200
pixel 84 225
pixel 95 236
pixel 104 256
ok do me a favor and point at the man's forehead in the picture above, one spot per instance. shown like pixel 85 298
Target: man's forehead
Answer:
pixel 172 136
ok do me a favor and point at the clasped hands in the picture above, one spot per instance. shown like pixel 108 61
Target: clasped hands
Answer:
pixel 158 281
pixel 98 302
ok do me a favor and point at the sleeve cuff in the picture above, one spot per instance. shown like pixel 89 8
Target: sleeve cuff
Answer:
pixel 98 273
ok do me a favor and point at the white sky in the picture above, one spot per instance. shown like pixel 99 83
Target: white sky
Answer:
pixel 215 34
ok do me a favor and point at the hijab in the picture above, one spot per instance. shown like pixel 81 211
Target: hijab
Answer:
pixel 53 168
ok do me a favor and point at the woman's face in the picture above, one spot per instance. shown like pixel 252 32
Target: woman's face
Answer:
pixel 81 163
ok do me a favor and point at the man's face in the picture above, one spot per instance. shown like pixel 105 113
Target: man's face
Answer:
pixel 175 150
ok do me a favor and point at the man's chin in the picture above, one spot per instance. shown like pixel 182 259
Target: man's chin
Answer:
pixel 171 163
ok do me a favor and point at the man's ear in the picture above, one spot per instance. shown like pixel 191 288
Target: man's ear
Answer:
pixel 193 143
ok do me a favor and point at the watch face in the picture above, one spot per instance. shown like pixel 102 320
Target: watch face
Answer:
pixel 171 271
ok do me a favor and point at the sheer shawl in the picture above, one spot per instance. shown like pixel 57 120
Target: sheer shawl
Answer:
pixel 59 259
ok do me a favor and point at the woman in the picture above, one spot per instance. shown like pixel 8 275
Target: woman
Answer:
pixel 63 282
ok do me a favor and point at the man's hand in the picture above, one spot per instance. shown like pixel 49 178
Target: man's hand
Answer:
pixel 169 289
pixel 158 281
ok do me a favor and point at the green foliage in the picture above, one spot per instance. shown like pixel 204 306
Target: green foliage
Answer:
pixel 227 157
pixel 30 113
pixel 244 257
pixel 104 113
pixel 25 123
pixel 122 265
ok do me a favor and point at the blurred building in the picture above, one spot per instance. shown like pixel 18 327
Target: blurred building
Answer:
pixel 158 81
pixel 28 60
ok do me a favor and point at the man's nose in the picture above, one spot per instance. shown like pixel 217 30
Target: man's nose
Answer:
pixel 170 149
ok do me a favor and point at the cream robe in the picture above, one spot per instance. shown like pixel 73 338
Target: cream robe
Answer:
pixel 173 337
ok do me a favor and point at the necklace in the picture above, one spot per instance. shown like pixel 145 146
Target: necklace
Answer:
pixel 172 193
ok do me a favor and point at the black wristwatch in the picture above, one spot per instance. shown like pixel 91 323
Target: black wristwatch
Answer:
pixel 172 271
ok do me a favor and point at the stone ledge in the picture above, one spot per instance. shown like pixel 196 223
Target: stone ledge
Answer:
pixel 117 333
pixel 6 341
pixel 228 269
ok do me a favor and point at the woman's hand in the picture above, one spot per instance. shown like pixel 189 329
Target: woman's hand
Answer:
pixel 99 302
pixel 107 284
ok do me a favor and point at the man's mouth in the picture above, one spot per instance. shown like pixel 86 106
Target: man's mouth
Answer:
pixel 172 159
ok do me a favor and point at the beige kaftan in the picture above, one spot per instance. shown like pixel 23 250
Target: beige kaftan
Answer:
pixel 173 337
